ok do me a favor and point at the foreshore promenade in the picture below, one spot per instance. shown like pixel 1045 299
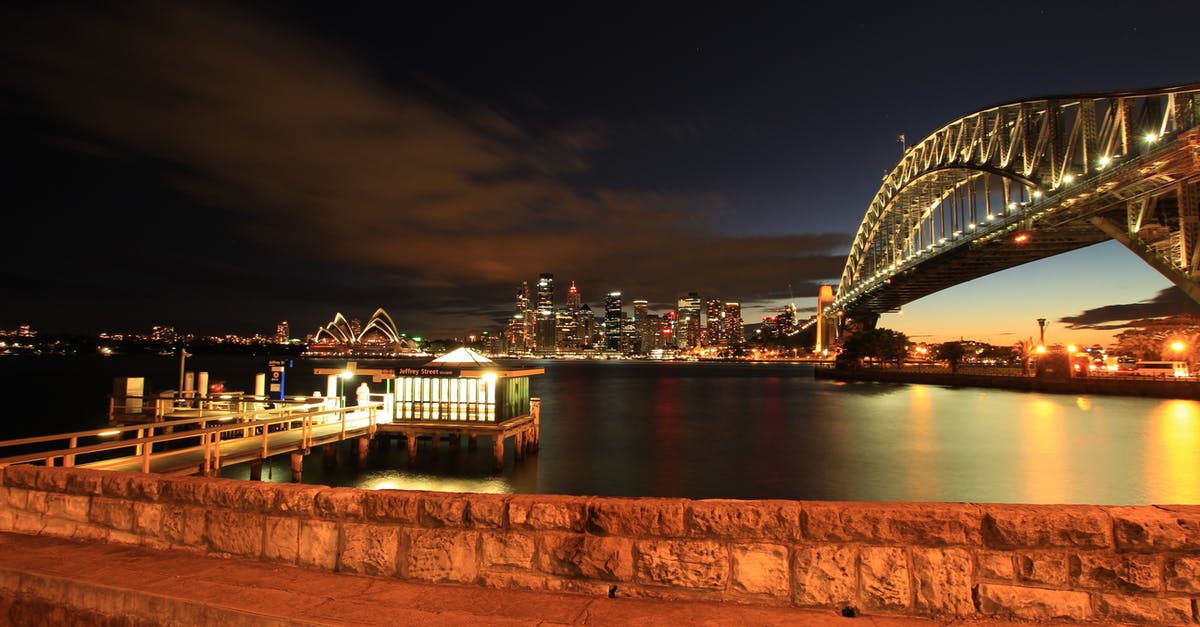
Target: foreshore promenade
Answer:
pixel 1104 385
pixel 445 558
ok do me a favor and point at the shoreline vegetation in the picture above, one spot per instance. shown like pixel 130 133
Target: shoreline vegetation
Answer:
pixel 1156 387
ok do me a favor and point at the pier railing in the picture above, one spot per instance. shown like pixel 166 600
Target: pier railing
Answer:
pixel 172 445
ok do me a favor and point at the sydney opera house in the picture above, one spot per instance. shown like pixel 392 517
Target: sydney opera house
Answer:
pixel 348 338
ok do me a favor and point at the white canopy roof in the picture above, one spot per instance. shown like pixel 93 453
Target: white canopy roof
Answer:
pixel 462 356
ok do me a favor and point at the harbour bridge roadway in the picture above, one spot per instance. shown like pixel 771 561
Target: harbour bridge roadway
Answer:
pixel 1027 180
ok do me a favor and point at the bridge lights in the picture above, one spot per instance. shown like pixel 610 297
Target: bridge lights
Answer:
pixel 1037 193
pixel 990 217
pixel 1022 238
pixel 1068 179
pixel 1150 137
pixel 1104 161
pixel 1012 206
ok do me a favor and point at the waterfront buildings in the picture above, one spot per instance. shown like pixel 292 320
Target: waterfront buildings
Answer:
pixel 545 340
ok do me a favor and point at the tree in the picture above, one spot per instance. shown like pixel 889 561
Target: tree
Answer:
pixel 883 345
pixel 952 353
pixel 1024 350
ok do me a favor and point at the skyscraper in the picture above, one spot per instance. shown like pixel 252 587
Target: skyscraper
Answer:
pixel 282 333
pixel 641 318
pixel 712 330
pixel 733 330
pixel 612 321
pixel 545 314
pixel 689 321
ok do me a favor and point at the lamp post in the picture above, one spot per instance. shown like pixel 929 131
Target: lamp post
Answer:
pixel 183 355
pixel 1041 331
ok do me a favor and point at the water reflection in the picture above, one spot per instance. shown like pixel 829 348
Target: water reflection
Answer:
pixel 1173 462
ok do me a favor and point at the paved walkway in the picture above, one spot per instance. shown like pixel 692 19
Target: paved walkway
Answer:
pixel 98 582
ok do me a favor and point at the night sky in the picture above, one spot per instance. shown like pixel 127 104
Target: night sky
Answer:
pixel 222 167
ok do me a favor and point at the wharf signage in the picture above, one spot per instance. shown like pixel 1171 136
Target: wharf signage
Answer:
pixel 425 372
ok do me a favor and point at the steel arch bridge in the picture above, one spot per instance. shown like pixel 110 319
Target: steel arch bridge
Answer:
pixel 1027 180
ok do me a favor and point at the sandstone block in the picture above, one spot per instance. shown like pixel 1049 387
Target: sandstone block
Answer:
pixel 1156 529
pixel 1183 574
pixel 183 525
pixel 825 576
pixel 943 579
pixel 35 501
pixel 394 506
pixel 994 565
pixel 294 499
pixel 255 497
pixel 184 490
pixel 1051 568
pixel 508 549
pixel 884 578
pixel 1125 572
pixel 757 520
pixel 486 511
pixel 84 482
pixel 21 476
pixel 606 558
pixel 563 513
pixel 15 498
pixel 694 564
pixel 369 549
pixel 147 518
pixel 7 516
pixel 129 485
pixel 559 553
pixel 443 509
pixel 640 517
pixel 340 503
pixel 438 555
pixel 919 524
pixel 1033 603
pixel 50 479
pixel 233 532
pixel 318 544
pixel 68 506
pixel 281 539
pixel 1047 526
pixel 1143 609
pixel 112 513
pixel 760 569
pixel 35 523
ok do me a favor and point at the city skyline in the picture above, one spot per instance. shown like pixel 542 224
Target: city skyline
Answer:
pixel 225 167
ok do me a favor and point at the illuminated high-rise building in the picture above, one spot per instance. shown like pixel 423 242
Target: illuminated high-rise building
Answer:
pixel 612 321
pixel 587 328
pixel 641 329
pixel 733 331
pixel 688 336
pixel 283 334
pixel 521 338
pixel 714 313
pixel 573 302
pixel 545 314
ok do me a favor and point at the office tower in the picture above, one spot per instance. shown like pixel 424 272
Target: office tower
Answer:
pixel 545 314
pixel 733 330
pixel 522 335
pixel 689 320
pixel 612 321
pixel 712 329
pixel 641 315
pixel 587 328
pixel 283 335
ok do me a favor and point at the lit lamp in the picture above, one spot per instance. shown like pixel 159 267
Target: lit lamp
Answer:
pixel 345 374
pixel 1071 349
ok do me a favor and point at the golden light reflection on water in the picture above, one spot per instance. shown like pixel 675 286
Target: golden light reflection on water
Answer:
pixel 1043 439
pixel 1173 459
pixel 924 474
pixel 400 481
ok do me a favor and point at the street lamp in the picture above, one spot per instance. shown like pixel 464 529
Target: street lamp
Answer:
pixel 1071 349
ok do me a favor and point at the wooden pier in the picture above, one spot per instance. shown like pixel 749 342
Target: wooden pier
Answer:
pixel 203 444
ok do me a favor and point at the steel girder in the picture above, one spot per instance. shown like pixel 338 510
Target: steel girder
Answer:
pixel 1030 179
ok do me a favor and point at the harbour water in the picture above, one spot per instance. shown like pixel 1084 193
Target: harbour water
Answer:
pixel 722 430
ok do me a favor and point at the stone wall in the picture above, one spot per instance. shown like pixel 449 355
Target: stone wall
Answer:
pixel 1081 563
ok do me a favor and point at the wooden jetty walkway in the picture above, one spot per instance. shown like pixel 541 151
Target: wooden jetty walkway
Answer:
pixel 202 440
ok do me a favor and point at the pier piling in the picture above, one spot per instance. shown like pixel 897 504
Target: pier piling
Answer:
pixel 297 466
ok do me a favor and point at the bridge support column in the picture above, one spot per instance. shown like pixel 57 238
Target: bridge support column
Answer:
pixel 412 449
pixel 498 451
pixel 256 470
pixel 363 446
pixel 297 466
pixel 472 442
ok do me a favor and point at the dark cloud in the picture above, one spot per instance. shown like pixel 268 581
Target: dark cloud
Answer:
pixel 1167 302
pixel 312 162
